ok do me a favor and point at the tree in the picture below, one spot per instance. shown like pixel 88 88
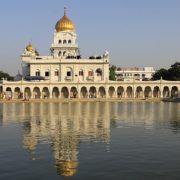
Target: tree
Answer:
pixel 161 73
pixel 6 76
pixel 173 73
pixel 112 73
pixel 175 65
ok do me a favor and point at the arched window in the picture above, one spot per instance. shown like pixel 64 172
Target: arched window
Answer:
pixel 69 41
pixel 90 73
pixel 37 72
pixel 59 54
pixel 81 73
pixel 69 71
pixel 99 72
pixel 64 53
pixel 56 72
pixel 64 42
pixel 60 41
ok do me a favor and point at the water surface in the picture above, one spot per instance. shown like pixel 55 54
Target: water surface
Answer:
pixel 90 140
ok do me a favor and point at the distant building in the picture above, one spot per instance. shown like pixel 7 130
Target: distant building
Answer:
pixel 128 74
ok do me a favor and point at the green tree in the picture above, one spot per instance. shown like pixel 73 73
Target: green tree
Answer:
pixel 176 65
pixel 161 73
pixel 6 76
pixel 173 73
pixel 112 73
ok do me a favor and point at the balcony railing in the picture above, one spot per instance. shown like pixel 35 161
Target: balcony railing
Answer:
pixel 69 78
pixel 65 45
pixel 47 77
pixel 90 78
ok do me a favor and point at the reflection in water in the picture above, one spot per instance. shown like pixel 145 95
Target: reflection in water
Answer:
pixel 65 125
pixel 147 114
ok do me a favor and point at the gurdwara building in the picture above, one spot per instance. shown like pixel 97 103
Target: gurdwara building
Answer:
pixel 65 74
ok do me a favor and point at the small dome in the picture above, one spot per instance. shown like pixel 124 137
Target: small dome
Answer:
pixel 29 47
pixel 65 24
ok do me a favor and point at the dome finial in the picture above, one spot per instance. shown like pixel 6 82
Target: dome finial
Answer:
pixel 65 24
pixel 65 11
pixel 29 47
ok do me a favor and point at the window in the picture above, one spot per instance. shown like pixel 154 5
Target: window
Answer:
pixel 136 75
pixel 47 73
pixel 81 73
pixel 59 54
pixel 90 73
pixel 64 41
pixel 68 73
pixel 99 72
pixel 37 72
pixel 69 41
pixel 60 41
pixel 56 73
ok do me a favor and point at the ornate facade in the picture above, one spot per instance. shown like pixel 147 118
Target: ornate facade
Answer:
pixel 65 74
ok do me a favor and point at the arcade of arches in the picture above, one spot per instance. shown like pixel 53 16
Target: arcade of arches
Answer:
pixel 63 92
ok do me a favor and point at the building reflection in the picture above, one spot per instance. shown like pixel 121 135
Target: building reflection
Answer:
pixel 63 125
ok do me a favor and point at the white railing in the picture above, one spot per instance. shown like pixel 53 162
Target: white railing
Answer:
pixel 65 45
pixel 68 78
pixel 90 78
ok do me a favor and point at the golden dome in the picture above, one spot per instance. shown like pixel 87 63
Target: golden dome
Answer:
pixel 29 47
pixel 65 24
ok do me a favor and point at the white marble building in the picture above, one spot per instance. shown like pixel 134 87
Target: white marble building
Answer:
pixel 65 63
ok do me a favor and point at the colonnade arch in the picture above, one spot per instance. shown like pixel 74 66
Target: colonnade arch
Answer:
pixel 73 92
pixel 139 92
pixel 36 93
pixel 92 92
pixel 45 93
pixel 64 92
pixel 129 92
pixel 55 92
pixel 102 92
pixel 156 92
pixel 174 91
pixel 84 92
pixel 17 93
pixel 111 92
pixel 27 93
pixel 166 92
pixel 147 92
pixel 120 92
pixel 8 92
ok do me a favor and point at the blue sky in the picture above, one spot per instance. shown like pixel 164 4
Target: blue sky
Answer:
pixel 137 33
